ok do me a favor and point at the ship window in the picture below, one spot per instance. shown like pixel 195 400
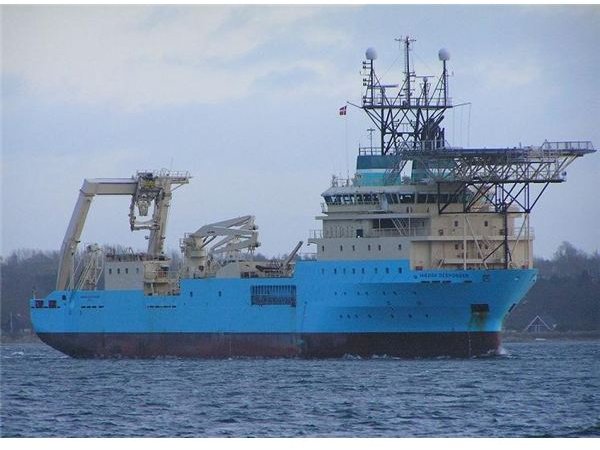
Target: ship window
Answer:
pixel 126 269
pixel 110 271
pixel 323 271
pixel 407 198
pixel 362 270
pixel 399 269
pixel 369 247
pixel 455 246
pixel 399 246
pixel 327 199
pixel 219 293
pixel 456 223
pixel 443 198
pixel 118 270
pixel 335 271
pixel 432 198
pixel 387 270
pixel 137 270
pixel 359 233
pixel 322 248
pixel 421 198
pixel 344 270
pixel 353 270
pixel 379 247
pixel 375 269
pixel 353 248
pixel 341 248
pixel 485 223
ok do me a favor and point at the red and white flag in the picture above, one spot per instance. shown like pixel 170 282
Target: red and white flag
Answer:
pixel 343 111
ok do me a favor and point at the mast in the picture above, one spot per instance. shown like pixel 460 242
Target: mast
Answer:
pixel 484 179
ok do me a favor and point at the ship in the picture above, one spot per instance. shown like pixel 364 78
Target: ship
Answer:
pixel 422 253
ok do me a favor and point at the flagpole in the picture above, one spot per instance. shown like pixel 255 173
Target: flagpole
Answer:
pixel 346 144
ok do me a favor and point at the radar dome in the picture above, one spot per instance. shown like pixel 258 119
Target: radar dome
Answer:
pixel 444 54
pixel 371 54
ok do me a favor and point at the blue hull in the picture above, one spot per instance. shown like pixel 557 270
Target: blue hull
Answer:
pixel 327 309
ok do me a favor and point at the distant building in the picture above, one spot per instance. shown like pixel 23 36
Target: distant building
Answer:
pixel 540 325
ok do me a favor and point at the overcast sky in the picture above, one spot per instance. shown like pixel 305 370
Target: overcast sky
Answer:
pixel 246 99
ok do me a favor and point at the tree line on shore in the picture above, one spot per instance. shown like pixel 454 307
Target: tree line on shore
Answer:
pixel 567 292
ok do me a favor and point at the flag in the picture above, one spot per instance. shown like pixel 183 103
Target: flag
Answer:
pixel 343 111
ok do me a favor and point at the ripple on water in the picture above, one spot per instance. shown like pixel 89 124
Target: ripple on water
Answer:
pixel 534 389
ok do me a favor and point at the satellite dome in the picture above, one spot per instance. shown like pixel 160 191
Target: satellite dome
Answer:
pixel 444 54
pixel 371 54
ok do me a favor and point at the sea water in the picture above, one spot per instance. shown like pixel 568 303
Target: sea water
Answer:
pixel 540 388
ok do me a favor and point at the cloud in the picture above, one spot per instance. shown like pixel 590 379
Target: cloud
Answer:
pixel 137 57
pixel 506 74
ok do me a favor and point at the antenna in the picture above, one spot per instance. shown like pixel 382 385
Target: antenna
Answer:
pixel 371 130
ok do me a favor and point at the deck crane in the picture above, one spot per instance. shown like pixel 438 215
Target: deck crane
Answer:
pixel 145 188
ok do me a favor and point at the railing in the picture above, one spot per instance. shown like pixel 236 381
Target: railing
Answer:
pixel 166 173
pixel 412 231
pixel 568 145
pixel 389 101
pixel 395 232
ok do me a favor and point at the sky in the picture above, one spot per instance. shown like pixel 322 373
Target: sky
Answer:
pixel 246 99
